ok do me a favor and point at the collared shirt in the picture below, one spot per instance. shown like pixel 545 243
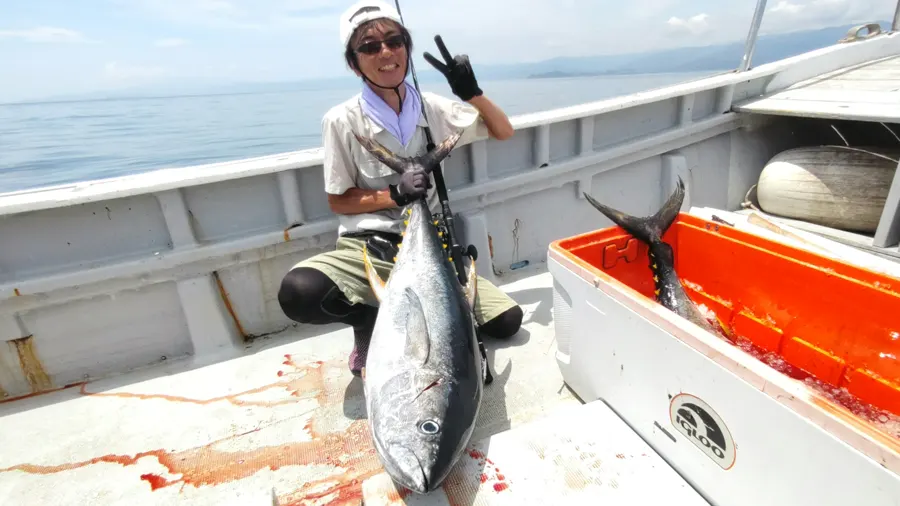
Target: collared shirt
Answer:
pixel 348 165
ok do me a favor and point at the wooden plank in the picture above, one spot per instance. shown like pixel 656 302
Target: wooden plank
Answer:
pixel 867 92
pixel 869 74
pixel 864 85
pixel 848 95
pixel 831 110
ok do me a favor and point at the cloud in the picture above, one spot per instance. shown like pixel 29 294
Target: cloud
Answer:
pixel 170 42
pixel 46 34
pixel 694 25
pixel 794 15
pixel 253 15
pixel 787 7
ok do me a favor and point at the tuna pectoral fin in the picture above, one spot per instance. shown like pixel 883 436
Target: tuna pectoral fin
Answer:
pixel 471 287
pixel 411 317
pixel 375 280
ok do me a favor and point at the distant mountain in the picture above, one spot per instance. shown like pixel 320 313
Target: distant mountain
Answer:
pixel 769 48
pixel 720 57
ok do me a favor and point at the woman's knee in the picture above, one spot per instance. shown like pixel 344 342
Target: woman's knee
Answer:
pixel 504 325
pixel 302 292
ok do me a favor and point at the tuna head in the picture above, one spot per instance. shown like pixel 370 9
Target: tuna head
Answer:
pixel 422 423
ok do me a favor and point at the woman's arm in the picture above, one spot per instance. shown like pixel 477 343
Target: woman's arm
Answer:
pixel 495 119
pixel 358 201
pixel 461 78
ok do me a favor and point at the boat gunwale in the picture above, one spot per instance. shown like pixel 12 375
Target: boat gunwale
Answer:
pixel 33 291
pixel 170 178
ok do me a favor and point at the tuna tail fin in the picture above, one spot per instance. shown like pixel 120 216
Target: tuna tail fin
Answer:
pixel 396 163
pixel 434 157
pixel 400 164
pixel 648 229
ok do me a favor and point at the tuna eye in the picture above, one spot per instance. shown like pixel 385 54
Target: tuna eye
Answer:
pixel 429 427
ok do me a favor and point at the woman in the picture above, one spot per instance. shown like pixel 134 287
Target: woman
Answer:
pixel 367 196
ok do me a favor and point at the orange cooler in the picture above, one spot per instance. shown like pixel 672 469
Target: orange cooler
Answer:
pixel 807 394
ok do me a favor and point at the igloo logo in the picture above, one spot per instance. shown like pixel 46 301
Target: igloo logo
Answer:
pixel 698 422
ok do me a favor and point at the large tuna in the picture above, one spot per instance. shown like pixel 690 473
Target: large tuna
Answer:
pixel 424 372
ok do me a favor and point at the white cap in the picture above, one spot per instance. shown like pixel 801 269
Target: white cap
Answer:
pixel 363 11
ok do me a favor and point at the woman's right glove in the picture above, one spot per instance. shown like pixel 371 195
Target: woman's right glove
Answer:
pixel 413 185
pixel 457 70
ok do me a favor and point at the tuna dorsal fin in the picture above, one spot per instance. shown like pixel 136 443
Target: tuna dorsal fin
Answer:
pixel 417 343
pixel 375 280
pixel 471 287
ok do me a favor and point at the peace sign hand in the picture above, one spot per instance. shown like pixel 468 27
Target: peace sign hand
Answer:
pixel 457 70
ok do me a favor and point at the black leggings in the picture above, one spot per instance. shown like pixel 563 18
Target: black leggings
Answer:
pixel 307 295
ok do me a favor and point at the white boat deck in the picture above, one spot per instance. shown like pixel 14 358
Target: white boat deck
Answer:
pixel 285 424
pixel 866 92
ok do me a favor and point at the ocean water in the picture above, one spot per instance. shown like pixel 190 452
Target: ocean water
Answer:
pixel 52 143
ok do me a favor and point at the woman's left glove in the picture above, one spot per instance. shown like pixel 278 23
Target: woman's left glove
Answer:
pixel 457 70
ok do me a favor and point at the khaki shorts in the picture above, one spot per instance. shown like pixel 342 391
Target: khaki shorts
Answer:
pixel 345 267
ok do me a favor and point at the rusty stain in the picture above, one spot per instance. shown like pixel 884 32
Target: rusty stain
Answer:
pixel 31 364
pixel 36 394
pixel 491 245
pixel 287 231
pixel 17 292
pixel 620 456
pixel 351 450
pixel 228 305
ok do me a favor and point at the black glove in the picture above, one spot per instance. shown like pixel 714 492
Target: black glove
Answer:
pixel 413 185
pixel 457 70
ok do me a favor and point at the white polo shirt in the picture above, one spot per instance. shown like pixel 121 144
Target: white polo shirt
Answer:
pixel 348 164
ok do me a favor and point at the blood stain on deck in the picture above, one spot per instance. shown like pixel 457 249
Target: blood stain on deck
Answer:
pixel 459 487
pixel 351 450
pixel 301 381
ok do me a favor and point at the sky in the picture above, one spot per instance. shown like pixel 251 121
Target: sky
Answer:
pixel 63 47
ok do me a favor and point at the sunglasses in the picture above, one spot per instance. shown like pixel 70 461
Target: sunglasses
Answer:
pixel 374 46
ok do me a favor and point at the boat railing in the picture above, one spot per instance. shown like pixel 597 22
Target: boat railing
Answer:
pixel 895 26
pixel 750 45
pixel 756 22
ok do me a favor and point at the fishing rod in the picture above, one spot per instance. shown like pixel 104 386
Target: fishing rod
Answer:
pixel 456 250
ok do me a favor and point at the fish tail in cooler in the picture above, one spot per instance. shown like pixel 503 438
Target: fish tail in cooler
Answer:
pixel 648 229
